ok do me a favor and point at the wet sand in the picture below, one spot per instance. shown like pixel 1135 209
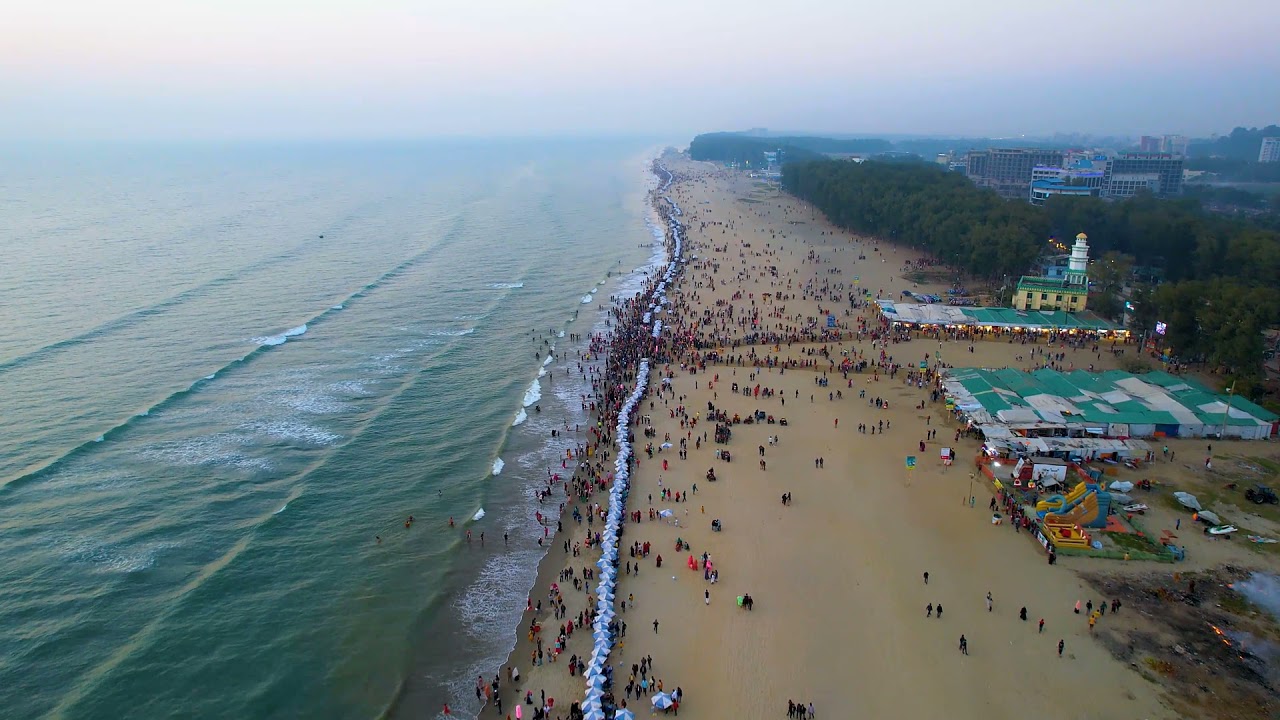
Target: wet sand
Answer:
pixel 837 576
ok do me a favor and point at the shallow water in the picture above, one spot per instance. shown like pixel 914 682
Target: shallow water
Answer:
pixel 225 370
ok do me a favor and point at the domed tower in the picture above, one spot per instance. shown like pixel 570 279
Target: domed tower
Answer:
pixel 1078 265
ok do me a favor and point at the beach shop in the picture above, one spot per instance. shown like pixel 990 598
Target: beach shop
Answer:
pixel 995 321
pixel 1079 405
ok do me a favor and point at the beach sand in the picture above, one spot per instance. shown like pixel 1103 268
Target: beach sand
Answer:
pixel 837 576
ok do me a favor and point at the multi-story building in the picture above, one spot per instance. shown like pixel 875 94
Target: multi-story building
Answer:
pixel 1175 144
pixel 1270 150
pixel 1129 173
pixel 1008 170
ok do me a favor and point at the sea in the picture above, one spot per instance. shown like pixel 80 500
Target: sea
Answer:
pixel 227 369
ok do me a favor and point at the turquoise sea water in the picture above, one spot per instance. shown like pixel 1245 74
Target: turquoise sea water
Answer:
pixel 225 369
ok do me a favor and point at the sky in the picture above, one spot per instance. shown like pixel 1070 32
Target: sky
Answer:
pixel 390 69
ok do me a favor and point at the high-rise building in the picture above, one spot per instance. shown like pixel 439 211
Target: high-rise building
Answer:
pixel 1129 173
pixel 1149 143
pixel 1008 171
pixel 1270 150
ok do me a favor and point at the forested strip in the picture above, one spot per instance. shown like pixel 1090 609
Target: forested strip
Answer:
pixel 1214 280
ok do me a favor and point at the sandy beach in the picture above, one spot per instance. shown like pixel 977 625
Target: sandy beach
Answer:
pixel 841 614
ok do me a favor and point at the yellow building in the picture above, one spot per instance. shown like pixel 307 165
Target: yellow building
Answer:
pixel 1069 293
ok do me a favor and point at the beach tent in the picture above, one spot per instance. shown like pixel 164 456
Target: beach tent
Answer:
pixel 1209 516
pixel 1187 500
pixel 1123 486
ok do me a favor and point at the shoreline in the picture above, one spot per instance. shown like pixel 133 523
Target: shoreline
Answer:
pixel 548 568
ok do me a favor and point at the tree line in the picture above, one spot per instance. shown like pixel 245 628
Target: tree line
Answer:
pixel 1211 279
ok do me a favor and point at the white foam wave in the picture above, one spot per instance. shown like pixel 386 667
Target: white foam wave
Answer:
pixel 506 286
pixel 452 333
pixel 521 416
pixel 560 334
pixel 335 307
pixel 548 360
pixel 479 514
pixel 533 394
pixel 296 431
pixel 498 465
pixel 211 376
pixel 542 372
pixel 272 340
pixel 586 299
pixel 100 438
pixel 282 507
pixel 596 288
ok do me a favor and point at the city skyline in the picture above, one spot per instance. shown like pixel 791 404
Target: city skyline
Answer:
pixel 282 68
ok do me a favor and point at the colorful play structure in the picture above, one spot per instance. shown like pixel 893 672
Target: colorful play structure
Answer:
pixel 1086 506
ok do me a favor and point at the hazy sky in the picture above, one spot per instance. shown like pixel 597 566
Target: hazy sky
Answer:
pixel 390 68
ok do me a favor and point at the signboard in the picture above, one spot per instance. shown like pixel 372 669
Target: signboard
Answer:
pixel 1161 328
pixel 911 462
pixel 924 364
pixel 946 453
pixel 831 321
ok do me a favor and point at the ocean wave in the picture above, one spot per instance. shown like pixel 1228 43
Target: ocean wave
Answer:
pixel 548 360
pixel 506 286
pixel 451 333
pixel 560 334
pixel 542 372
pixel 108 557
pixel 220 449
pixel 479 514
pixel 533 394
pixel 586 299
pixel 498 465
pixel 293 430
pixel 273 340
pixel 521 416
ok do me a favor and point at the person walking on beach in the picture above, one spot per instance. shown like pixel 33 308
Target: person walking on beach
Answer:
pixel 1061 644
pixel 926 577
pixel 989 602
pixel 655 627
pixel 1023 614
pixel 964 646
pixel 928 610
pixel 706 595
pixel 939 611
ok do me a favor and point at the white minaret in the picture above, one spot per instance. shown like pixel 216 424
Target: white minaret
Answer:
pixel 1078 266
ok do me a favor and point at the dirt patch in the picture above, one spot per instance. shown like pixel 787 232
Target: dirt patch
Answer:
pixel 1195 636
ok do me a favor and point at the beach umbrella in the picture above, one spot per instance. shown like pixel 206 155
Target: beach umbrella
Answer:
pixel 662 701
pixel 624 714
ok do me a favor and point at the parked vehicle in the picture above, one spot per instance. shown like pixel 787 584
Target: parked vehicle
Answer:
pixel 1260 494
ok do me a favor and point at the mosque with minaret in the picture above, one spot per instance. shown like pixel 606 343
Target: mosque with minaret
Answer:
pixel 1068 292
